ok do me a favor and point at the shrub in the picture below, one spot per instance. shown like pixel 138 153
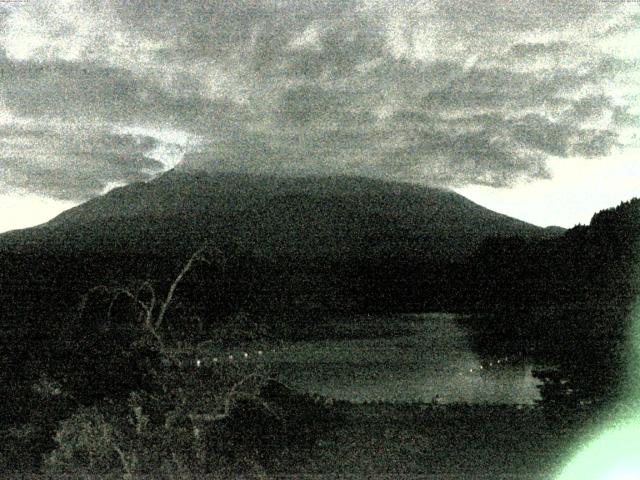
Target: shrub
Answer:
pixel 183 419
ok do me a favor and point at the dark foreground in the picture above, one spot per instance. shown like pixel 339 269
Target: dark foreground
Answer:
pixel 378 440
pixel 432 441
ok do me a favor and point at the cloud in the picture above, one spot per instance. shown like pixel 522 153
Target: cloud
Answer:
pixel 595 143
pixel 591 106
pixel 527 50
pixel 536 132
pixel 72 165
pixel 86 92
pixel 435 91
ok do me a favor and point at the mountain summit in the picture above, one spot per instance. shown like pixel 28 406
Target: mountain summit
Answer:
pixel 275 217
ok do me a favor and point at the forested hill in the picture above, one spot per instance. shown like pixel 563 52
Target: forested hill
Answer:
pixel 317 244
pixel 275 245
pixel 563 301
pixel 588 263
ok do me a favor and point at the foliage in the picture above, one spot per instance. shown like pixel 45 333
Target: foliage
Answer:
pixel 563 302
pixel 185 418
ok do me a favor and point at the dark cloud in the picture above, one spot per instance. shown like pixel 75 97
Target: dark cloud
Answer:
pixel 303 104
pixel 74 165
pixel 92 93
pixel 537 49
pixel 592 106
pixel 309 105
pixel 621 117
pixel 445 92
pixel 536 132
pixel 595 143
pixel 501 87
pixel 525 15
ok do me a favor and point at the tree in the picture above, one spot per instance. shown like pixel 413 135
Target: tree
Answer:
pixel 166 423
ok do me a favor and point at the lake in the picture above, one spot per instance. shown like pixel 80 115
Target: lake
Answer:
pixel 430 358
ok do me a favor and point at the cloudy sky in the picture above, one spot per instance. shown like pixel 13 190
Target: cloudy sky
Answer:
pixel 530 107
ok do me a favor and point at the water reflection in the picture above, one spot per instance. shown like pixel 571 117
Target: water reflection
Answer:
pixel 433 362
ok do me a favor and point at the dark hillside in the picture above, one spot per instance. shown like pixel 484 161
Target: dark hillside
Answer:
pixel 334 240
pixel 324 217
pixel 563 301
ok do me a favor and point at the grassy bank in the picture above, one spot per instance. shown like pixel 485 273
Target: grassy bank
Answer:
pixel 319 438
pixel 436 441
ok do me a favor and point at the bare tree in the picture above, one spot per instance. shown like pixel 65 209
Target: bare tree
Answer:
pixel 152 314
pixel 153 308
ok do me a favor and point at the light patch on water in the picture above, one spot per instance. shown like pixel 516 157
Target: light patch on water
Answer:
pixel 436 362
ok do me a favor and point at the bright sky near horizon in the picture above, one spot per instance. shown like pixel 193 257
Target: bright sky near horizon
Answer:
pixel 529 108
pixel 576 190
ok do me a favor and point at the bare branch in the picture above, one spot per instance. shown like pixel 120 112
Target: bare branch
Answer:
pixel 232 396
pixel 207 417
pixel 85 298
pixel 152 303
pixel 198 256
pixel 147 285
pixel 257 399
pixel 134 298
pixel 148 307
pixel 116 292
pixel 123 460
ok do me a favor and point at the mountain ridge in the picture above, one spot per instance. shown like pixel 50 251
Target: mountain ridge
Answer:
pixel 277 216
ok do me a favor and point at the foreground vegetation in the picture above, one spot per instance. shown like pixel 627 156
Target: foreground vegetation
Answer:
pixel 308 438
pixel 113 385
pixel 144 404
pixel 161 412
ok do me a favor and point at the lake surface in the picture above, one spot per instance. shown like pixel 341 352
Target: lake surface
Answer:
pixel 429 359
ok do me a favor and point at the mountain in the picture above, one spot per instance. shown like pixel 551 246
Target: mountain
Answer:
pixel 298 219
pixel 297 247
pixel 291 245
